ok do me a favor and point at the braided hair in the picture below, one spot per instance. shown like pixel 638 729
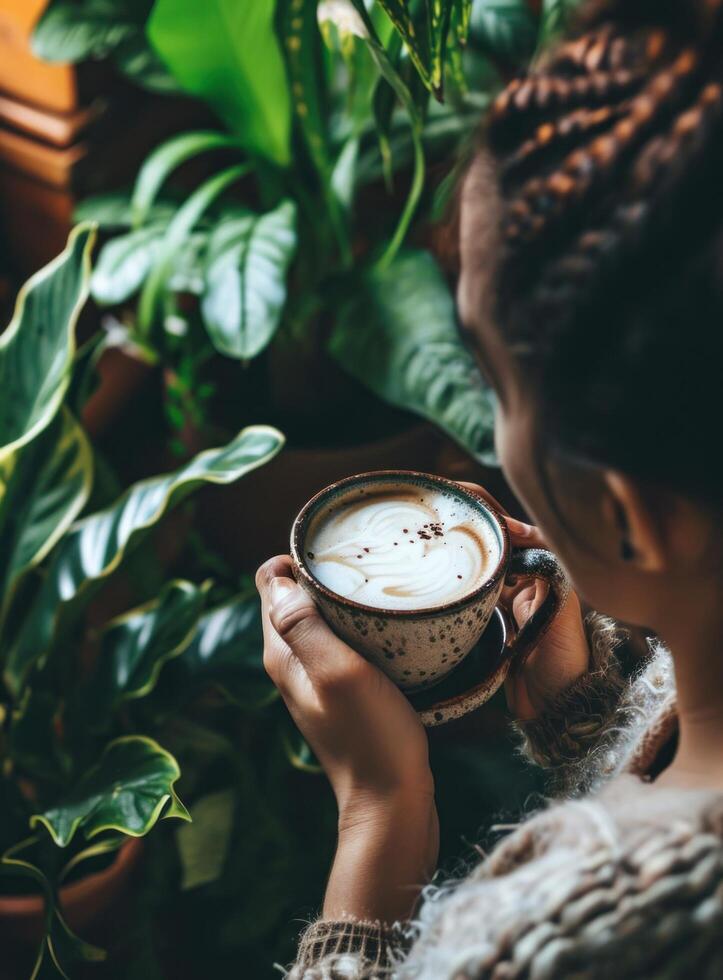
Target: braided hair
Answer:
pixel 609 158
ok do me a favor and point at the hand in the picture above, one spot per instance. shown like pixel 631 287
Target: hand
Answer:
pixel 371 744
pixel 562 655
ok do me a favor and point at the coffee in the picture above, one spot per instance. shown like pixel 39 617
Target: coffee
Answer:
pixel 402 547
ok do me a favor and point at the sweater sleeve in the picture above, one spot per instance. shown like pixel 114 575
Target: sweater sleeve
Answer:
pixel 350 949
pixel 576 721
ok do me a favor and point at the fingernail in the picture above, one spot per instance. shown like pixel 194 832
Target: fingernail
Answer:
pixel 520 528
pixel 280 588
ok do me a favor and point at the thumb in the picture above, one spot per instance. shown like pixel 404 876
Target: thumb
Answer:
pixel 296 619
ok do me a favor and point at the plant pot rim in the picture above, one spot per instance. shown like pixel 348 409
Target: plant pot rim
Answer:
pixel 126 858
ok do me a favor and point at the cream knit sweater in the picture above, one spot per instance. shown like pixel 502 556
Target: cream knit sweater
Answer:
pixel 621 879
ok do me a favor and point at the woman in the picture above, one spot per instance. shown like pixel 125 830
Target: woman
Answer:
pixel 592 292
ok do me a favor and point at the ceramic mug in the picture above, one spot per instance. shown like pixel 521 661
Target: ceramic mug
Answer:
pixel 418 648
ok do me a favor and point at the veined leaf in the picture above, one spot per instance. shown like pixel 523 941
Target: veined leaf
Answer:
pixel 128 790
pixel 245 287
pixel 123 264
pixel 96 546
pixel 135 646
pixel 227 53
pixel 36 350
pixel 159 165
pixel 43 487
pixel 397 335
pixel 227 649
pixel 175 238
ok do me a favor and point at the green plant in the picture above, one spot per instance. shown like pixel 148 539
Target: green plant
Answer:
pixel 79 770
pixel 322 102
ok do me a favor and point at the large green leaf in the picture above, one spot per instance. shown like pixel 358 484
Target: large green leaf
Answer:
pixel 36 350
pixel 128 790
pixel 227 650
pixel 135 647
pixel 43 487
pixel 123 264
pixel 504 29
pixel 175 240
pixel 227 53
pixel 97 545
pixel 245 287
pixel 397 334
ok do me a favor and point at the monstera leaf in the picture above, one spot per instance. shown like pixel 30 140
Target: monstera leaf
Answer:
pixel 43 487
pixel 128 791
pixel 227 650
pixel 397 334
pixel 246 280
pixel 228 54
pixel 96 546
pixel 135 647
pixel 36 350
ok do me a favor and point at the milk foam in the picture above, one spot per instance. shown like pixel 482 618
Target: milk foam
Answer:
pixel 406 548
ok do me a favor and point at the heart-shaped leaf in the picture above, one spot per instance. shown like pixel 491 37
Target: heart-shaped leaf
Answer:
pixel 397 334
pixel 36 350
pixel 227 649
pixel 135 647
pixel 128 790
pixel 227 53
pixel 124 262
pixel 246 280
pixel 43 487
pixel 97 545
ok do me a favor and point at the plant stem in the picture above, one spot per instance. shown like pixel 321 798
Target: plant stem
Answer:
pixel 412 201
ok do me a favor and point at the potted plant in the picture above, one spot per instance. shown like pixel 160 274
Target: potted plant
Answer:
pixel 283 278
pixel 81 774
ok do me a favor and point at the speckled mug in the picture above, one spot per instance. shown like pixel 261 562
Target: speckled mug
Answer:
pixel 417 648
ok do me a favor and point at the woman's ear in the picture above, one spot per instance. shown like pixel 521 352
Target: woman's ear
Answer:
pixel 642 535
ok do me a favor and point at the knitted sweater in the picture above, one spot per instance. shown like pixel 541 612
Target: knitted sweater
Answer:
pixel 619 879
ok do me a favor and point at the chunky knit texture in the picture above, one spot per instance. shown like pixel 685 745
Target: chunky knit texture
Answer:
pixel 625 881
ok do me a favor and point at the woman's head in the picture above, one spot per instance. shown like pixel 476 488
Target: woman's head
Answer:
pixel 592 280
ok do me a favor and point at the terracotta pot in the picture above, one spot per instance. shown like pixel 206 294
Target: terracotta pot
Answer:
pixel 120 377
pixel 85 904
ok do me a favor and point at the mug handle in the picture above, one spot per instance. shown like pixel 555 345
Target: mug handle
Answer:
pixel 534 563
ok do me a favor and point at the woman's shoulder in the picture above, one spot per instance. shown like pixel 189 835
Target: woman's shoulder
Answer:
pixel 615 879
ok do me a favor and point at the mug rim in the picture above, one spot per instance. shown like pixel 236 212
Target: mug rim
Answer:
pixel 299 526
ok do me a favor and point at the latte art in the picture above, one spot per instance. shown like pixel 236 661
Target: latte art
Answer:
pixel 405 548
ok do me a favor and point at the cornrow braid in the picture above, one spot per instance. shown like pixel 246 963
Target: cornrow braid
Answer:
pixel 609 156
